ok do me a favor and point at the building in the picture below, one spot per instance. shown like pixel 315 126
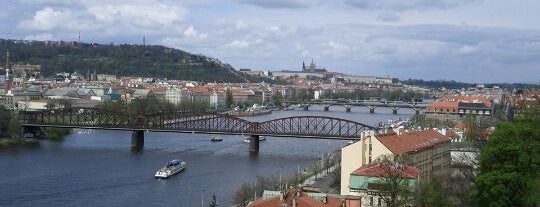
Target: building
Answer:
pixel 456 107
pixel 256 72
pixel 176 95
pixel 105 77
pixel 286 74
pixel 312 68
pixel 371 182
pixel 141 93
pixel 428 150
pixel 295 197
pixel 366 79
pixel 24 71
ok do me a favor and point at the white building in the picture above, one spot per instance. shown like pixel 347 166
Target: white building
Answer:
pixel 367 79
pixel 176 95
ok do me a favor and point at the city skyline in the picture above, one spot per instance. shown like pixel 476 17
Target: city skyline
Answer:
pixel 471 41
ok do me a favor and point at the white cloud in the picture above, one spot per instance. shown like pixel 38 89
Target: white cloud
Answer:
pixel 140 15
pixel 40 37
pixel 411 38
pixel 465 50
pixel 48 19
pixel 237 44
pixel 402 5
pixel 191 33
pixel 388 17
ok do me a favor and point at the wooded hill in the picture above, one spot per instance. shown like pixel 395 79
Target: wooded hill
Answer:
pixel 122 60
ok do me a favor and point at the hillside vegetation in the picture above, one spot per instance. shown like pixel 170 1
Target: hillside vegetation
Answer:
pixel 122 60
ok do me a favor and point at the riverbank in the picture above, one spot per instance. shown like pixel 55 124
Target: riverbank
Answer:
pixel 55 134
pixel 15 143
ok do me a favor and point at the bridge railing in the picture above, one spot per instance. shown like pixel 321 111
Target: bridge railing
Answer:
pixel 203 122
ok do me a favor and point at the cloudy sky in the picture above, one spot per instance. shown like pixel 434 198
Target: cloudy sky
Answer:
pixel 465 40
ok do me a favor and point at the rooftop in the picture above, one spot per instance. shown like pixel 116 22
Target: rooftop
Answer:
pixel 411 141
pixel 384 169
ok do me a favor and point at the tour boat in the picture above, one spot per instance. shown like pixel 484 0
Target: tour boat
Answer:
pixel 172 168
pixel 247 140
pixel 216 139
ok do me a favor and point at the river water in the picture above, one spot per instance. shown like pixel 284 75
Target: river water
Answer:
pixel 98 168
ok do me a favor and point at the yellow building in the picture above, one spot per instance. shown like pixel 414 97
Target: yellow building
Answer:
pixel 427 150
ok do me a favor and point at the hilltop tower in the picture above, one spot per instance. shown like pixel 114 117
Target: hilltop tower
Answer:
pixel 8 75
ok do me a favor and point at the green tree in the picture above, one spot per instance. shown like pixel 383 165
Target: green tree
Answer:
pixel 4 122
pixel 510 164
pixel 228 98
pixel 14 127
pixel 277 98
pixel 472 130
pixel 432 193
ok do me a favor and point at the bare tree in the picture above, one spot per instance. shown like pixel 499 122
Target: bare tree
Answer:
pixel 394 185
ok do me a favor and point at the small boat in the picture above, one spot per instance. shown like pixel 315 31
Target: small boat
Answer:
pixel 216 139
pixel 247 140
pixel 173 167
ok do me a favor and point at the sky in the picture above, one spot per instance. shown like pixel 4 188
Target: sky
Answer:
pixel 464 40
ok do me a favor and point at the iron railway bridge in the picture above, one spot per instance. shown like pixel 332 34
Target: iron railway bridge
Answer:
pixel 318 127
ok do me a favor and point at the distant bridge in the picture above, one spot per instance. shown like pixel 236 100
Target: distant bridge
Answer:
pixel 370 104
pixel 318 127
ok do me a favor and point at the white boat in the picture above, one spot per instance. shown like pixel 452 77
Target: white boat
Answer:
pixel 216 139
pixel 247 140
pixel 172 168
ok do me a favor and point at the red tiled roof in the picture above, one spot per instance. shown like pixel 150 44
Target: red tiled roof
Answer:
pixel 443 104
pixel 301 201
pixel 411 141
pixel 383 169
pixel 461 98
pixel 198 89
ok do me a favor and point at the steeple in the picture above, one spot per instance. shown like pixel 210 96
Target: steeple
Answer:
pixel 8 76
pixel 303 66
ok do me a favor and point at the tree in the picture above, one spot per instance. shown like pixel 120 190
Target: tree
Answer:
pixel 277 98
pixel 510 164
pixel 14 127
pixel 432 193
pixel 396 188
pixel 213 202
pixel 228 98
pixel 472 130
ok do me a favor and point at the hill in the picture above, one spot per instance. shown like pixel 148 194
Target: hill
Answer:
pixel 122 60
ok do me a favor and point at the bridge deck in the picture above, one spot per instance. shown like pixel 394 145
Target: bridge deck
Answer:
pixel 197 122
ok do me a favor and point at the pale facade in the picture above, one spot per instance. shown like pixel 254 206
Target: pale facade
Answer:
pixel 358 154
pixel 176 95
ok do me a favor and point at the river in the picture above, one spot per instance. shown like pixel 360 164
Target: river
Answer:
pixel 98 168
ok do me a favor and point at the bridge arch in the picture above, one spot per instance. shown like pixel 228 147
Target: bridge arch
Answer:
pixel 313 126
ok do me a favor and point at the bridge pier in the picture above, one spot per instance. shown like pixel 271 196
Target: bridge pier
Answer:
pixel 137 139
pixel 31 131
pixel 348 109
pixel 326 108
pixel 394 110
pixel 371 110
pixel 254 144
pixel 306 107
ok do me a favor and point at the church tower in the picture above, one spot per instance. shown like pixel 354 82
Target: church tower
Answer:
pixel 8 75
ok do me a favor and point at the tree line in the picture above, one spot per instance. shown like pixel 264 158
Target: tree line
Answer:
pixel 122 60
